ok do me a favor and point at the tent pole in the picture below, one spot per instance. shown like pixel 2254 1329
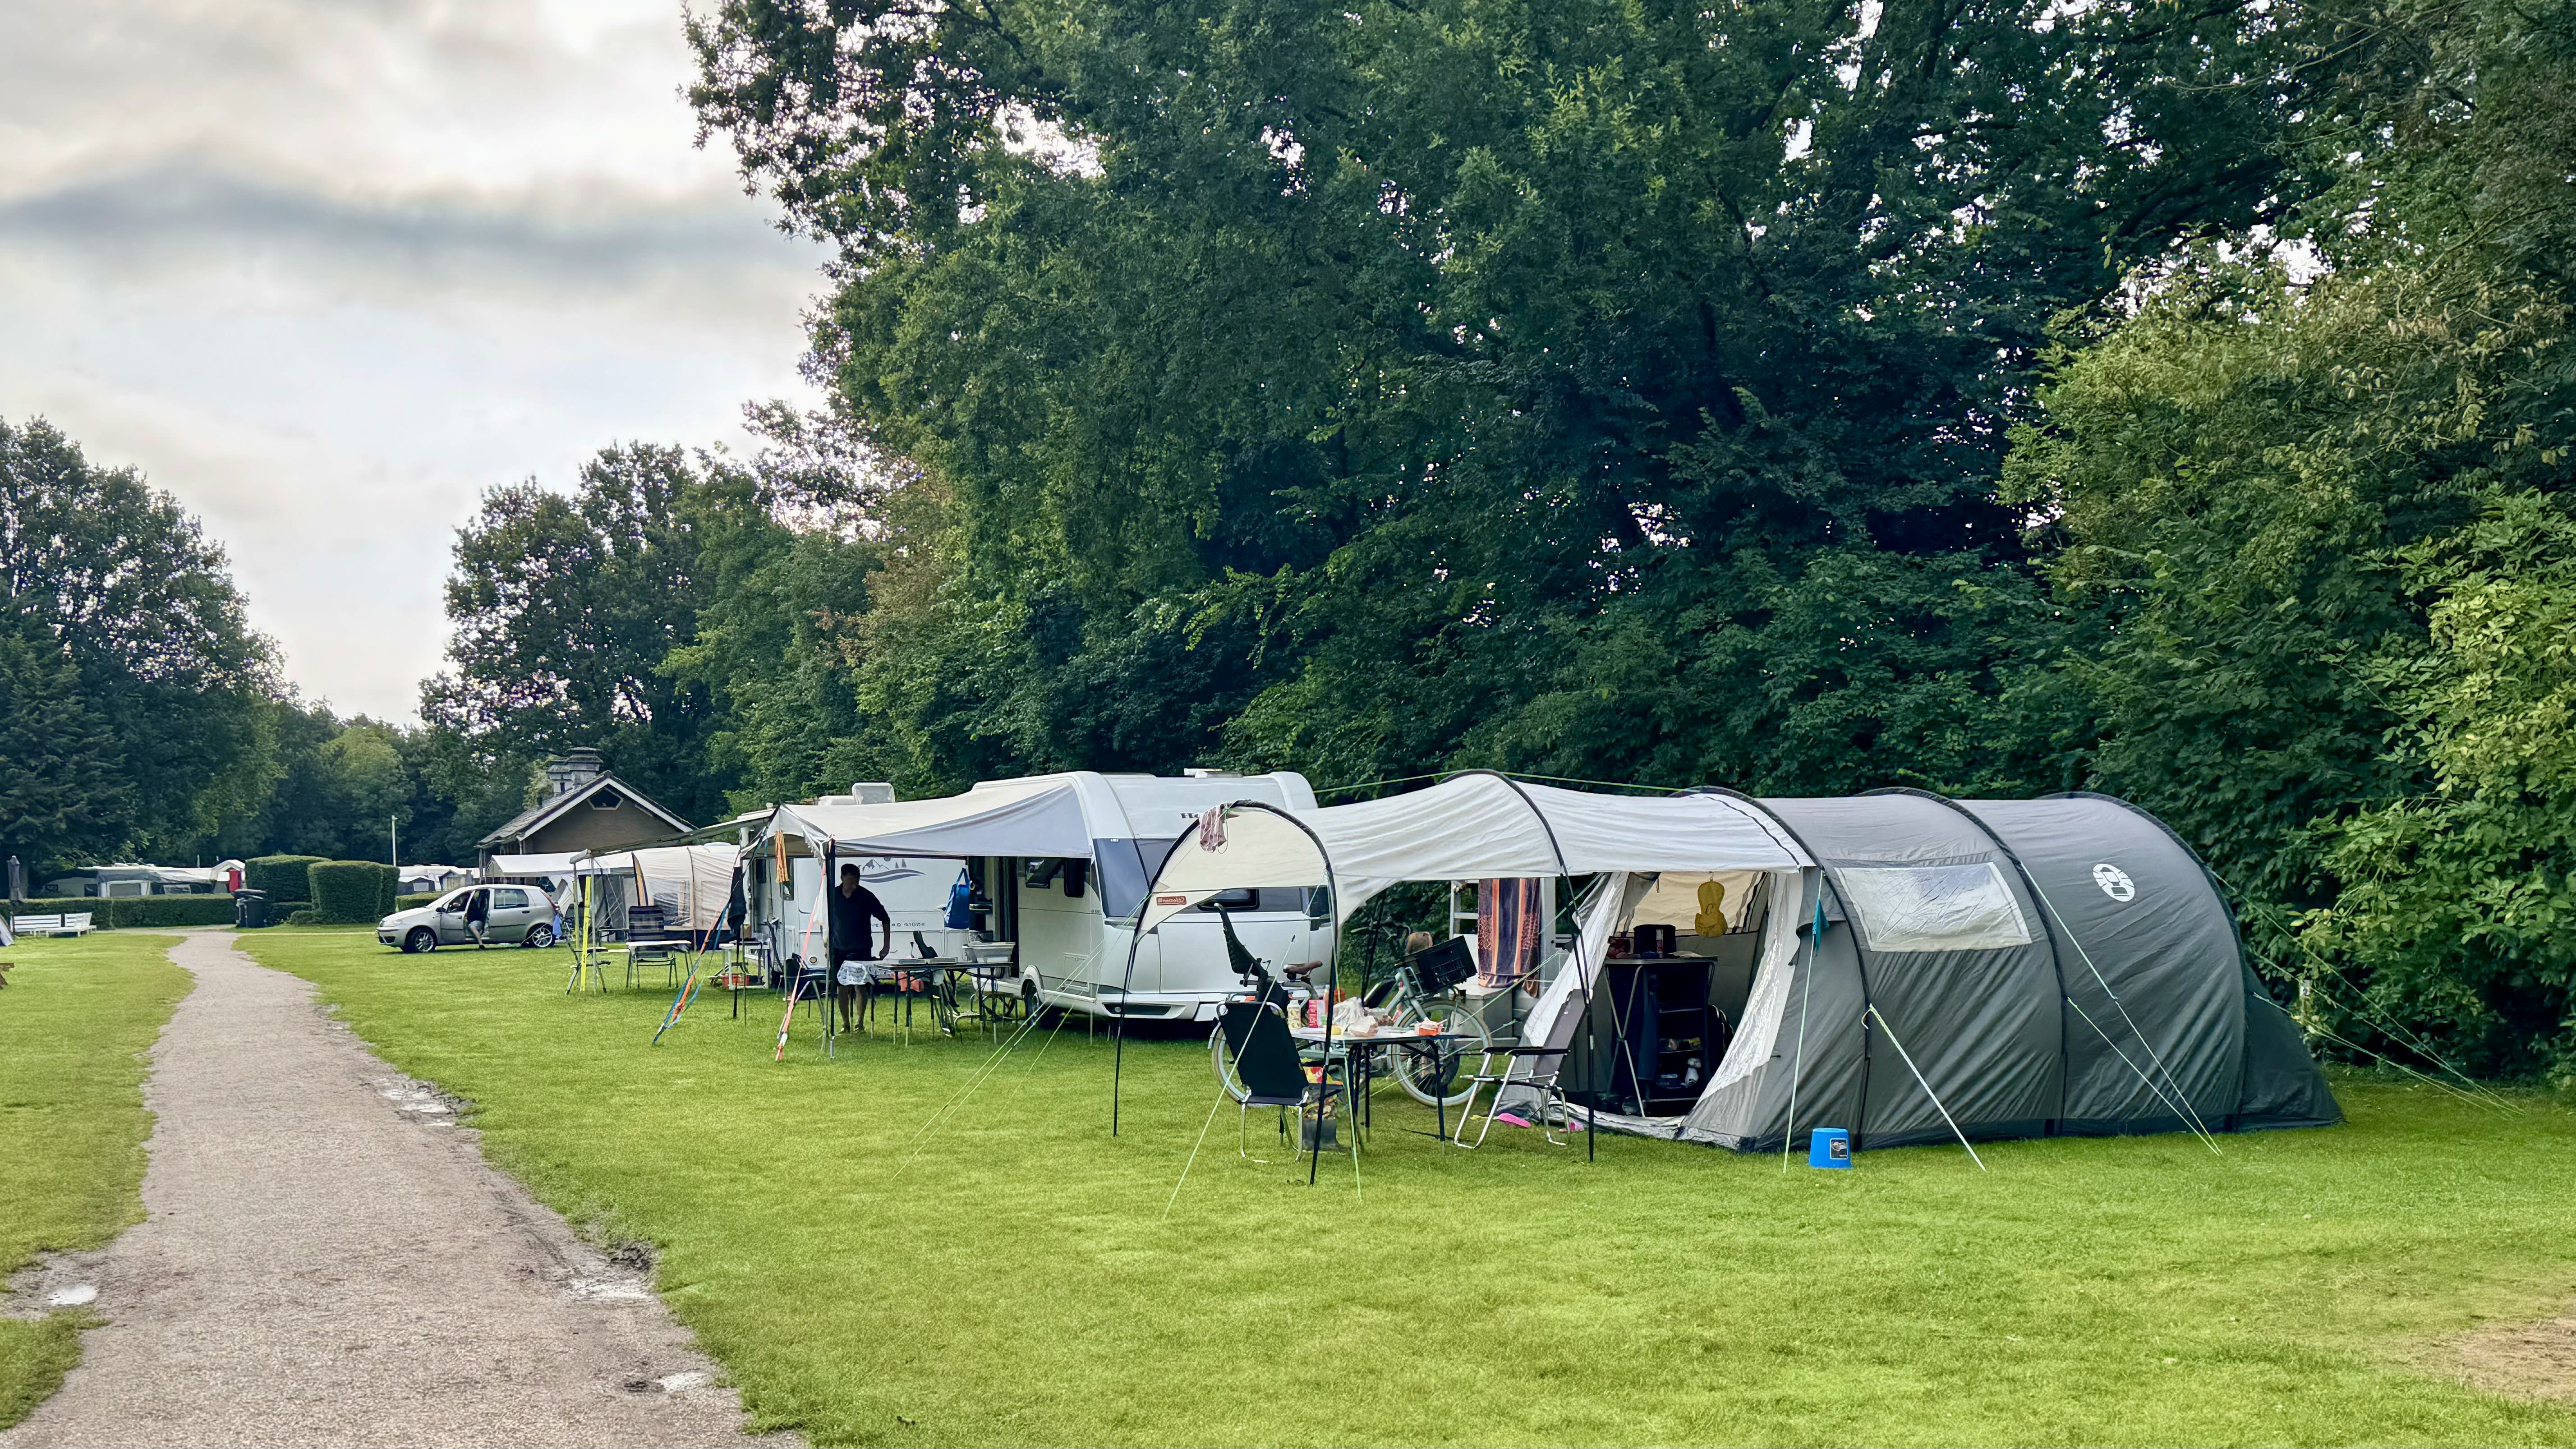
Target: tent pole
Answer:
pixel 1806 995
pixel 831 963
pixel 1127 983
pixel 1908 1059
pixel 1118 1034
pixel 1592 1116
pixel 1332 971
pixel 1332 889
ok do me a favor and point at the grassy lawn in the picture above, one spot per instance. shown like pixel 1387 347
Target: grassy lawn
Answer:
pixel 1009 1276
pixel 74 1022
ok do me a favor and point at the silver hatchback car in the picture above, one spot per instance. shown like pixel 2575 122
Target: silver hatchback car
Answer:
pixel 519 915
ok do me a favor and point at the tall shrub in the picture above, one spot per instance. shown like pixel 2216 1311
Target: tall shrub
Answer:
pixel 350 892
pixel 281 877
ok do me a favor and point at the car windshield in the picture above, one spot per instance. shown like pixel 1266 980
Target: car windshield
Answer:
pixel 452 901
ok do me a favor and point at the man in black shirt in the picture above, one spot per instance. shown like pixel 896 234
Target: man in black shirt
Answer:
pixel 855 910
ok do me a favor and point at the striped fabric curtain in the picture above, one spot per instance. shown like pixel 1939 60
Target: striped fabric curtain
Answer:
pixel 1509 931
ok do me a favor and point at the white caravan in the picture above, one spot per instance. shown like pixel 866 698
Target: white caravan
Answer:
pixel 1058 865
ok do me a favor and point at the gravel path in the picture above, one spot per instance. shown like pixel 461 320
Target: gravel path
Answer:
pixel 329 1261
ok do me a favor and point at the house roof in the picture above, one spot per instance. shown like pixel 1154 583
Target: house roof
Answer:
pixel 545 812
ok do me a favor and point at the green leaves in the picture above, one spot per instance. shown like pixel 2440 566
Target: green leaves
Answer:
pixel 63 790
pixel 2462 902
pixel 122 583
pixel 565 609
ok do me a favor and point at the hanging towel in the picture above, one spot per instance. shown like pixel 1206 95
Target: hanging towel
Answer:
pixel 1509 931
pixel 1212 828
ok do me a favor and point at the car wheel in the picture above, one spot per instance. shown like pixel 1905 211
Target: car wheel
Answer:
pixel 540 936
pixel 422 938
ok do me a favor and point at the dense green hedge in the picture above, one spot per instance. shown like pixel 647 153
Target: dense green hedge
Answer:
pixel 281 876
pixel 351 892
pixel 413 903
pixel 109 912
pixel 215 910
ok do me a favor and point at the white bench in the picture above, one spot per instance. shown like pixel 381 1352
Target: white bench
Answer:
pixel 75 923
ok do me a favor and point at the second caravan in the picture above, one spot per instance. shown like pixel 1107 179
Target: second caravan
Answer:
pixel 1058 865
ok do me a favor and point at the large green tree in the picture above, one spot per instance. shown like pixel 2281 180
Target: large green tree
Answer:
pixel 565 607
pixel 1368 387
pixel 2310 518
pixel 63 791
pixel 143 606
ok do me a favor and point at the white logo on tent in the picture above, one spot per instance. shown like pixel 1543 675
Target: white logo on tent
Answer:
pixel 2115 882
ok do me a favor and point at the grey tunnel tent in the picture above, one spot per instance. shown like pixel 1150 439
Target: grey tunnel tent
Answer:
pixel 2062 966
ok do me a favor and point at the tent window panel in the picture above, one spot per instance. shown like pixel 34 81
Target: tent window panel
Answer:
pixel 1934 907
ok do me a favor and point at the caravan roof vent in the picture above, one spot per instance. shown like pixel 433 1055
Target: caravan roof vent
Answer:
pixel 872 792
pixel 1195 773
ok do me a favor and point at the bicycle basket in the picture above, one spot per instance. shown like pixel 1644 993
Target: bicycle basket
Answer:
pixel 1441 967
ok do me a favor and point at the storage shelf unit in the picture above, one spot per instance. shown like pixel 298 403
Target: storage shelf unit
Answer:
pixel 1658 1037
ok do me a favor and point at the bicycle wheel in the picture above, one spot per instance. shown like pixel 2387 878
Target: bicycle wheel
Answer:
pixel 1446 1076
pixel 1223 1061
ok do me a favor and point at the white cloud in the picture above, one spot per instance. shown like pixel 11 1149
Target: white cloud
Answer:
pixel 325 271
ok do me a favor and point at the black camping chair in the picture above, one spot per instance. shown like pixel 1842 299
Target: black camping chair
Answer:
pixel 1256 977
pixel 1273 1074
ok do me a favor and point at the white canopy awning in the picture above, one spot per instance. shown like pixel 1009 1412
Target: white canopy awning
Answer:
pixel 1472 827
pixel 1042 817
pixel 1484 827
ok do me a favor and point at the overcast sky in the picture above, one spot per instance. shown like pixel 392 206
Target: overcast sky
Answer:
pixel 325 271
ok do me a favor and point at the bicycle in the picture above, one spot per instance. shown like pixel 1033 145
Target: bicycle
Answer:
pixel 1270 992
pixel 1425 988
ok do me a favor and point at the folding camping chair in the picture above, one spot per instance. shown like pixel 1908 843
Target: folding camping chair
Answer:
pixel 1541 1079
pixel 649 941
pixel 1274 1075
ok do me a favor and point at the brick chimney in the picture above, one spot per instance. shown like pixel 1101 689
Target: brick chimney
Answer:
pixel 571 770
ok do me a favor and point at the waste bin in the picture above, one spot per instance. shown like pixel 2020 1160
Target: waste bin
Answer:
pixel 250 909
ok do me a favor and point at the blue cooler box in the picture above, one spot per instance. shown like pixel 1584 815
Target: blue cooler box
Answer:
pixel 1829 1147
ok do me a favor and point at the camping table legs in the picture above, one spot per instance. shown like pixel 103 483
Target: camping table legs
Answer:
pixel 1438 1047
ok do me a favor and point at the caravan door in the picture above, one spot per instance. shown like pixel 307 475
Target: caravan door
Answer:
pixel 1062 933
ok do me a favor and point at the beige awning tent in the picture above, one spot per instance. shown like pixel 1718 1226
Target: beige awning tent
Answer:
pixel 691 883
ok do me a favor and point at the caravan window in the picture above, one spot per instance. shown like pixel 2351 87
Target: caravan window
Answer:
pixel 1267 898
pixel 1933 907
